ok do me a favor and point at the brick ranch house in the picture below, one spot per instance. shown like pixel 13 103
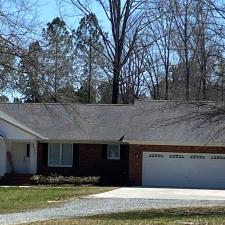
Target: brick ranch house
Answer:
pixel 150 143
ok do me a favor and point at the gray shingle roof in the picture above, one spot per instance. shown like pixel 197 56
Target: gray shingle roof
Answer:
pixel 9 119
pixel 162 122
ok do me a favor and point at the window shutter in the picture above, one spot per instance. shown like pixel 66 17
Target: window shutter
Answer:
pixel 45 154
pixel 28 150
pixel 104 151
pixel 124 151
pixel 75 155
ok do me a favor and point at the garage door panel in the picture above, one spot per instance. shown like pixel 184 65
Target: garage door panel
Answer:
pixel 183 170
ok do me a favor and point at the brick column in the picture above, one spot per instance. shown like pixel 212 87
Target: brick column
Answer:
pixel 135 165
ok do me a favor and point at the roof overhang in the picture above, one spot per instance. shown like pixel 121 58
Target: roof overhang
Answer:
pixel 10 120
pixel 172 143
pixel 83 141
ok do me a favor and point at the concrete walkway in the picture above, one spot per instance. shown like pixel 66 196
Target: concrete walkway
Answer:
pixel 163 193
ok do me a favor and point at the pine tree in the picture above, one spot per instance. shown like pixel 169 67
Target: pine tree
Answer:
pixel 89 46
pixel 30 79
pixel 59 59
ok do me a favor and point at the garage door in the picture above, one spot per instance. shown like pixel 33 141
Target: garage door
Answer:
pixel 183 170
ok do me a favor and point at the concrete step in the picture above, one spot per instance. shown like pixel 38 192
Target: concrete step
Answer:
pixel 16 179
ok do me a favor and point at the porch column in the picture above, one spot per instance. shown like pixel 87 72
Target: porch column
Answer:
pixel 2 158
pixel 8 148
pixel 33 157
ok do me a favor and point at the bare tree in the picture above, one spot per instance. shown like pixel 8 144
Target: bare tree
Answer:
pixel 162 31
pixel 185 24
pixel 132 76
pixel 17 29
pixel 124 17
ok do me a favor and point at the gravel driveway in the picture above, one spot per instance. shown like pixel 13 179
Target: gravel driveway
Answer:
pixel 94 206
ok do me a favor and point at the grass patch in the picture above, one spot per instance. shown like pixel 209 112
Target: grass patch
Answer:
pixel 184 216
pixel 16 199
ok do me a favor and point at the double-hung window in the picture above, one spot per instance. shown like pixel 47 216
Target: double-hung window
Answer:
pixel 60 155
pixel 113 152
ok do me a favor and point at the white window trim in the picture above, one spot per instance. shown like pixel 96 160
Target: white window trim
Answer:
pixel 60 155
pixel 110 157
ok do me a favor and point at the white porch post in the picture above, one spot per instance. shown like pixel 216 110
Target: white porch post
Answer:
pixel 8 148
pixel 33 157
pixel 3 159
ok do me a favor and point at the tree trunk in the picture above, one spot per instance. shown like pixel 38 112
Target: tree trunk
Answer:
pixel 89 73
pixel 167 85
pixel 115 90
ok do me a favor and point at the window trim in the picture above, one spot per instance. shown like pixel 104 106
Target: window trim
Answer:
pixel 110 157
pixel 60 155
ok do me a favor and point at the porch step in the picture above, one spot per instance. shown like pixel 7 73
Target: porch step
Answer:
pixel 16 179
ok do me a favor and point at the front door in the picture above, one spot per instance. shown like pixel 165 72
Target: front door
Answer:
pixel 21 157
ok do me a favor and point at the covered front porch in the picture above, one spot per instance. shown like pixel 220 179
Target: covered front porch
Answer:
pixel 21 157
pixel 18 157
pixel 18 148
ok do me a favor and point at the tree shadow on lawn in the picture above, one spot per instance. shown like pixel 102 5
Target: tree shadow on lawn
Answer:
pixel 179 213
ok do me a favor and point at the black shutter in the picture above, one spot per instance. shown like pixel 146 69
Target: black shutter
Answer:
pixel 124 151
pixel 75 155
pixel 45 154
pixel 28 150
pixel 104 151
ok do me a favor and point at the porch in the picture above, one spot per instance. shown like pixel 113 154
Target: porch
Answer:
pixel 18 157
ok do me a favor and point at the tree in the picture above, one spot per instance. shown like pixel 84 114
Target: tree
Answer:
pixel 7 65
pixel 124 17
pixel 104 90
pixel 185 23
pixel 132 76
pixel 162 31
pixel 59 58
pixel 30 76
pixel 17 26
pixel 89 45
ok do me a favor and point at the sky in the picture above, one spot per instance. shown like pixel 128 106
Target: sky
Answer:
pixel 49 9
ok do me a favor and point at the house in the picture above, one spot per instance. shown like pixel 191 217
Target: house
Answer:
pixel 150 143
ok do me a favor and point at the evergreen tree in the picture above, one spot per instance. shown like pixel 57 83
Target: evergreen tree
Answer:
pixel 59 58
pixel 89 46
pixel 30 78
pixel 7 64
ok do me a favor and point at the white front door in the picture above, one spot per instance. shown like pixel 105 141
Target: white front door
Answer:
pixel 161 169
pixel 21 157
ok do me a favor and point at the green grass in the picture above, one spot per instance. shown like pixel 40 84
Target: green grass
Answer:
pixel 182 216
pixel 16 199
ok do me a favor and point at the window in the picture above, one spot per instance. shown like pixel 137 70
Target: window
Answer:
pixel 197 157
pixel 176 156
pixel 60 155
pixel 156 156
pixel 113 152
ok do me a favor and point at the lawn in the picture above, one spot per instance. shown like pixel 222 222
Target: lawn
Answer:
pixel 182 216
pixel 15 199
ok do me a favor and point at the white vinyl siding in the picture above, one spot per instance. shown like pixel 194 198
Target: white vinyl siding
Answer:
pixel 60 155
pixel 113 152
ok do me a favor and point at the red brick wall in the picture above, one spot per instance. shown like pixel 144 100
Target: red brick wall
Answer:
pixel 91 163
pixel 135 156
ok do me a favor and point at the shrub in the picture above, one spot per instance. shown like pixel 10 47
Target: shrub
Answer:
pixel 38 179
pixel 55 179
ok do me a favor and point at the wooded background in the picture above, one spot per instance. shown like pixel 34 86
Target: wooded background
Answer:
pixel 162 49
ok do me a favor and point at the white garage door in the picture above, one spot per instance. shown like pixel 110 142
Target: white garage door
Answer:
pixel 183 170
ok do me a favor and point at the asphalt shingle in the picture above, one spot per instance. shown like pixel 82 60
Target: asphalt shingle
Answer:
pixel 167 122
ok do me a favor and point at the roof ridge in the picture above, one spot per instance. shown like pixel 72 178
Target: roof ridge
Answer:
pixel 51 103
pixel 138 101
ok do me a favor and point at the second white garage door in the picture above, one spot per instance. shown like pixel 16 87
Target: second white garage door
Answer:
pixel 183 170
